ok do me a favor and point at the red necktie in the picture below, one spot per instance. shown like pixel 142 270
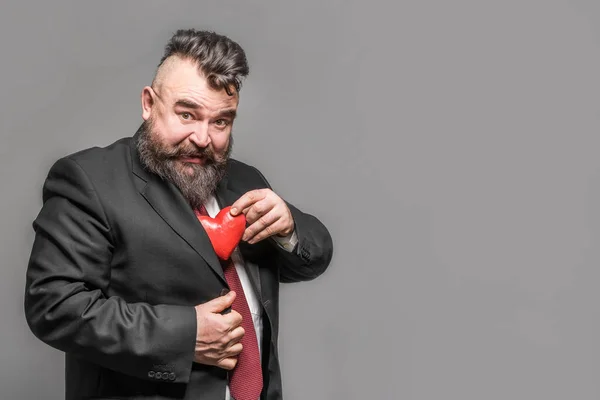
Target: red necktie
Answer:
pixel 245 380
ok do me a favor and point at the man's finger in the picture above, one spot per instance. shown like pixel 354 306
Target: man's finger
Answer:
pixel 247 200
pixel 271 230
pixel 259 209
pixel 263 224
pixel 228 363
pixel 233 319
pixel 234 350
pixel 236 335
pixel 220 303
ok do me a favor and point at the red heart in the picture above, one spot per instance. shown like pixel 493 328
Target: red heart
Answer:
pixel 224 231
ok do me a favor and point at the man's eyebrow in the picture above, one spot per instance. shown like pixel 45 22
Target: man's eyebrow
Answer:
pixel 187 103
pixel 228 112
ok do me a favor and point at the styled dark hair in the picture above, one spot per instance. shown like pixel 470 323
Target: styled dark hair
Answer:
pixel 219 58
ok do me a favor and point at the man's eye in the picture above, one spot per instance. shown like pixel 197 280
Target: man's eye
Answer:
pixel 221 123
pixel 185 115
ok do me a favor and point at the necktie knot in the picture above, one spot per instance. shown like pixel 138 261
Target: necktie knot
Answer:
pixel 202 211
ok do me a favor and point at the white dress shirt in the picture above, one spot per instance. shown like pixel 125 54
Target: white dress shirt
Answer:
pixel 287 243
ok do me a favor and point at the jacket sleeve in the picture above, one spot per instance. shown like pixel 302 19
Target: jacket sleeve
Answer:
pixel 313 252
pixel 68 274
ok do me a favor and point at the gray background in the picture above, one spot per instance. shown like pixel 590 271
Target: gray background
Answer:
pixel 450 146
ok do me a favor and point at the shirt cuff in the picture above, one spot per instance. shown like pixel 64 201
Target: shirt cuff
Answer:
pixel 288 243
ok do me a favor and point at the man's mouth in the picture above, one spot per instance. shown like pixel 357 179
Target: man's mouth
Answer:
pixel 193 160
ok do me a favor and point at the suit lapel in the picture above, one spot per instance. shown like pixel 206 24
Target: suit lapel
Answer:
pixel 170 205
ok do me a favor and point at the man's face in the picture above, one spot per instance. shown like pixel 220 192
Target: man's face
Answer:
pixel 187 130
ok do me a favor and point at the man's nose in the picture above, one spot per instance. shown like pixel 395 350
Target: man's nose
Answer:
pixel 200 136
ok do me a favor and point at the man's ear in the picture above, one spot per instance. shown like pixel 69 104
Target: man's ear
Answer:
pixel 147 102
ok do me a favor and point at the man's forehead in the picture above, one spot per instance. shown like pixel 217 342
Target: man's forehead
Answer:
pixel 182 77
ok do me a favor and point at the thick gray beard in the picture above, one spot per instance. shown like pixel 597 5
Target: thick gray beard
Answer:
pixel 196 187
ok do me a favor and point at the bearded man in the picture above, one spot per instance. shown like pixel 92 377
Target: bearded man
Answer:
pixel 123 277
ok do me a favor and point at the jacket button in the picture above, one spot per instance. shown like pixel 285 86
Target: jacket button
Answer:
pixel 158 375
pixel 172 376
pixel 150 374
pixel 304 254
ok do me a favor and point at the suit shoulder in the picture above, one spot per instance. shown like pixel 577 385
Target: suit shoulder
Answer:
pixel 95 154
pixel 239 168
pixel 245 175
pixel 99 158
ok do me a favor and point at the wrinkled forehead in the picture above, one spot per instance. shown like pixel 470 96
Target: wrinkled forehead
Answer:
pixel 182 78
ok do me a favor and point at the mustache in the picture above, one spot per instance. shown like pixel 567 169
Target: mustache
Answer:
pixel 191 152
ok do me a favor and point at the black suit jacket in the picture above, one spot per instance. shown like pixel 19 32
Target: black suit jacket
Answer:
pixel 118 264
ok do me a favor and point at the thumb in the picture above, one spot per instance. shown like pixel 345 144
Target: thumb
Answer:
pixel 221 303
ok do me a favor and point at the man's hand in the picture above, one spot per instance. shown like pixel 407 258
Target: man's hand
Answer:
pixel 217 335
pixel 266 213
